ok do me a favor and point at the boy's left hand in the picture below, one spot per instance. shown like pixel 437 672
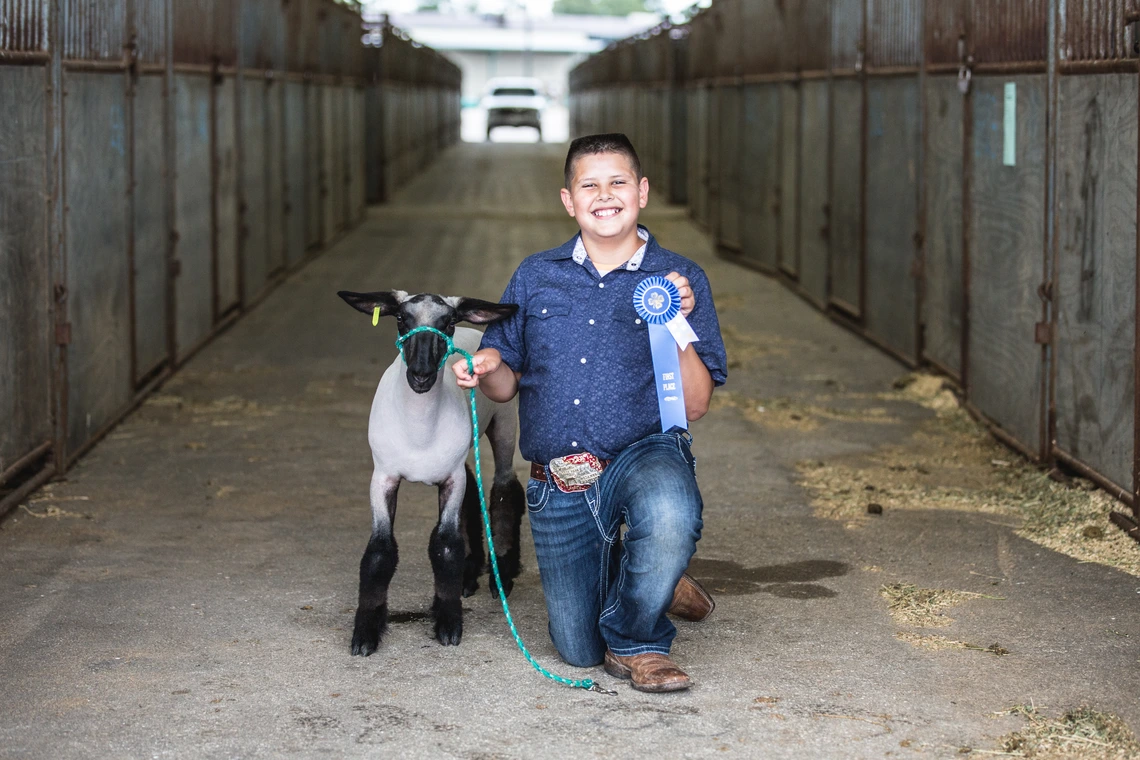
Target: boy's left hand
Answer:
pixel 688 300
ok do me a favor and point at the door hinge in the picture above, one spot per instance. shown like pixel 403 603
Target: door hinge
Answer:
pixel 1043 333
pixel 63 333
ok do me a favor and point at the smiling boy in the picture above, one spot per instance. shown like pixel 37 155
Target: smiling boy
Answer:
pixel 578 356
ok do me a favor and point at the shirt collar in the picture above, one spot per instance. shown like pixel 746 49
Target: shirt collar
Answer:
pixel 647 258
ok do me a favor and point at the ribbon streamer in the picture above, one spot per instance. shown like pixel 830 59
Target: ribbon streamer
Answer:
pixel 658 302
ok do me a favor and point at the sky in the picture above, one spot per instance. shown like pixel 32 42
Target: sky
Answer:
pixel 534 7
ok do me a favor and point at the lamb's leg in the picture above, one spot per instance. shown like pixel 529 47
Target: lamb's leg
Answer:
pixel 377 567
pixel 472 520
pixel 507 502
pixel 447 557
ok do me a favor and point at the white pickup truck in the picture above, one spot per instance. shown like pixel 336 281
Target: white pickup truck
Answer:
pixel 514 102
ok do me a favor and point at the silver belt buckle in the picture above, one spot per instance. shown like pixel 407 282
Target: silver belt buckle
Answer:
pixel 575 472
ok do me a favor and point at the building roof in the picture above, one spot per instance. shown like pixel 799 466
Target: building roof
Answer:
pixel 517 32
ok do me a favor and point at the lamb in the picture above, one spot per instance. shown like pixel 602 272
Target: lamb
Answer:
pixel 420 430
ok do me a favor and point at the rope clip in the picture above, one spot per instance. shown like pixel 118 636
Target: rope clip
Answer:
pixel 595 686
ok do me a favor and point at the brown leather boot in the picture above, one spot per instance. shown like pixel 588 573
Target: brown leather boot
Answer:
pixel 690 600
pixel 650 672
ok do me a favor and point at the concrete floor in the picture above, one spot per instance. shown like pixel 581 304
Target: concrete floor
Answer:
pixel 192 593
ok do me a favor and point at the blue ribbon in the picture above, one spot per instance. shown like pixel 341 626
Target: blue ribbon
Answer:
pixel 657 300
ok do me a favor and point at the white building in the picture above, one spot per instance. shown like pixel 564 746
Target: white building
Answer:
pixel 547 47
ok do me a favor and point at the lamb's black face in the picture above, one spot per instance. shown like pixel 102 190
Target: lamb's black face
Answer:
pixel 423 351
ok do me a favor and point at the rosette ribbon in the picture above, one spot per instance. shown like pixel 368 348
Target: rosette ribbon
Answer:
pixel 658 302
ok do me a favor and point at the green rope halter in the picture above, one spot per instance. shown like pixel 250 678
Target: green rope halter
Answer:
pixel 585 683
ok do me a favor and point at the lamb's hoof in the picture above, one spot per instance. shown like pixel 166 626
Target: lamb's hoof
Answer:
pixel 448 621
pixel 471 572
pixel 508 584
pixel 369 628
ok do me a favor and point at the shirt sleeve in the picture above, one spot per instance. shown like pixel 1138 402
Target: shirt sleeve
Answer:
pixel 506 335
pixel 706 325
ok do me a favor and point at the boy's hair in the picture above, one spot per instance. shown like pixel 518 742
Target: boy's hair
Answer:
pixel 613 142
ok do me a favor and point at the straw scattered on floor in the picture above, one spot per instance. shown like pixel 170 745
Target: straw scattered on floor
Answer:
pixel 923 607
pixel 953 463
pixel 1081 733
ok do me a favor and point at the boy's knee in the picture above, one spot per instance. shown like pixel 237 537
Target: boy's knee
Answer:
pixel 579 649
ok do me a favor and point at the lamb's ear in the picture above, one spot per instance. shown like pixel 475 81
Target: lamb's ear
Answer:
pixel 387 300
pixel 483 312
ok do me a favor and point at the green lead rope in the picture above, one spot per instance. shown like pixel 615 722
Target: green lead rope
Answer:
pixel 583 683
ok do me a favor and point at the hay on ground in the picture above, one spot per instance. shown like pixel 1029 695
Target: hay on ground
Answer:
pixel 923 607
pixel 1081 733
pixel 953 463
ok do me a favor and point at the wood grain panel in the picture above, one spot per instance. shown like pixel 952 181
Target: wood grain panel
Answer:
pixel 1007 223
pixel 813 191
pixel 1095 281
pixel 847 195
pixel 892 212
pixel 942 309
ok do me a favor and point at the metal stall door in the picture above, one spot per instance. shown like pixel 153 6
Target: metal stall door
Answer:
pixel 789 249
pixel 760 185
pixel 26 321
pixel 1005 368
pixel 845 194
pixel 355 150
pixel 1094 277
pixel 151 234
pixel 698 154
pixel 296 174
pixel 275 158
pixel 314 165
pixel 255 152
pixel 813 226
pixel 946 94
pixel 813 203
pixel 728 169
pixel 96 230
pixel 226 201
pixel 194 285
pixel 893 142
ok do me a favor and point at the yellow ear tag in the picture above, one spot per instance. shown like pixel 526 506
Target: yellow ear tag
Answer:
pixel 376 316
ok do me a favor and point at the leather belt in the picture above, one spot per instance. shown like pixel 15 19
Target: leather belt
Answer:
pixel 538 471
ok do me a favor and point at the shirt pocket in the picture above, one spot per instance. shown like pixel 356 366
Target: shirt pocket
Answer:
pixel 547 322
pixel 631 336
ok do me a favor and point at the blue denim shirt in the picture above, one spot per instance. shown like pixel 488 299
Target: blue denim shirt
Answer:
pixel 587 376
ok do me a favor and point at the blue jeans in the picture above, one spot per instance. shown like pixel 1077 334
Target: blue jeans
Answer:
pixel 605 590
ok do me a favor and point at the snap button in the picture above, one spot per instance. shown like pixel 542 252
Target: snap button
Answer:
pixel 591 321
pixel 583 360
pixel 544 311
pixel 577 401
pixel 601 284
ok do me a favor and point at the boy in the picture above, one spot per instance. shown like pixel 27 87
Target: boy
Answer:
pixel 578 356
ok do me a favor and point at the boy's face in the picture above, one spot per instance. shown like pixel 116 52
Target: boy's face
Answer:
pixel 605 196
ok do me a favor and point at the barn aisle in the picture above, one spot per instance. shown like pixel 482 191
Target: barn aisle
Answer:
pixel 188 590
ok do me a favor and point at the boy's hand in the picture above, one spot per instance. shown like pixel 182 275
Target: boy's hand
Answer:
pixel 485 361
pixel 688 300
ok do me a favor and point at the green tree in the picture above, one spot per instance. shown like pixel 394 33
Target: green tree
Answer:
pixel 600 7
